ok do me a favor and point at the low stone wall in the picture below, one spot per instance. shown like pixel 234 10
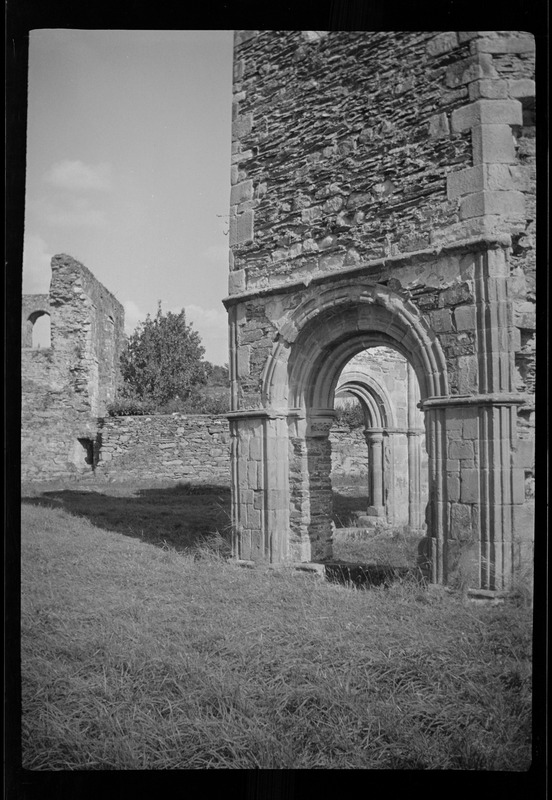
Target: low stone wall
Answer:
pixel 196 448
pixel 193 448
pixel 187 447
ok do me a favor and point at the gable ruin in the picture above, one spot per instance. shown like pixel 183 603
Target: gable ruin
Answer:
pixel 67 386
pixel 383 196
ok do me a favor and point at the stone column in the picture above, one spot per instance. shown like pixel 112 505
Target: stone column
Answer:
pixel 374 439
pixel 260 490
pixel 476 490
pixel 414 455
pixel 275 480
pixel 436 511
pixel 319 464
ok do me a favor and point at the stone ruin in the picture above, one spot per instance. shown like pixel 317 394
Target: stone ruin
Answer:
pixel 383 196
pixel 384 384
pixel 67 386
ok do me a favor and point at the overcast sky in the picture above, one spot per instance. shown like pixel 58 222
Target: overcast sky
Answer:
pixel 128 168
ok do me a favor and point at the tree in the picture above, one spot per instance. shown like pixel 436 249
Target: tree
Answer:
pixel 163 360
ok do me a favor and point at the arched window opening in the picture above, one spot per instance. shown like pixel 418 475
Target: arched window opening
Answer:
pixel 41 335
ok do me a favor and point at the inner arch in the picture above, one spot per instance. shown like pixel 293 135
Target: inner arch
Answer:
pixel 331 327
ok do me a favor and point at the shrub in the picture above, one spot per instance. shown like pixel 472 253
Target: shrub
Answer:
pixel 129 407
pixel 350 416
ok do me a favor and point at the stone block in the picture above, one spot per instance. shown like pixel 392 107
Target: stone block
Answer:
pixel 255 448
pixel 461 527
pixel 241 228
pixel 244 356
pixel 524 522
pixel 518 485
pixel 252 474
pixel 465 318
pixel 236 281
pixel 486 112
pixel 239 155
pixel 521 88
pixel 453 486
pixel 505 204
pixel 505 44
pixel 489 90
pixel 465 181
pixel 468 374
pixel 470 428
pixel 441 320
pixel 242 126
pixel 241 192
pixel 467 36
pixel 470 69
pixel 442 43
pixel 439 126
pixel 487 177
pixel 525 453
pixel 469 491
pixel 493 144
pixel 460 450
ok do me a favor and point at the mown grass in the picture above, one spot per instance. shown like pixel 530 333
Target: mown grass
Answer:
pixel 182 516
pixel 139 657
pixel 178 515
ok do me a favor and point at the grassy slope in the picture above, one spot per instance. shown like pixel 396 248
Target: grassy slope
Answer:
pixel 135 657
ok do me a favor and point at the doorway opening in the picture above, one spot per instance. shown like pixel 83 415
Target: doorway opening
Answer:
pixel 379 460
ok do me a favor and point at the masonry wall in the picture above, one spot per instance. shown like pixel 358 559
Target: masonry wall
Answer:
pixel 349 458
pixel 383 192
pixel 66 387
pixel 343 144
pixel 192 448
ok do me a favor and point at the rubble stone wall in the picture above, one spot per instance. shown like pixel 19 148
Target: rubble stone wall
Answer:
pixel 192 448
pixel 68 385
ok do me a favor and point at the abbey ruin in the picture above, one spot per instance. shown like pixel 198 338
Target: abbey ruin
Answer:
pixel 383 196
pixel 67 386
pixel 382 245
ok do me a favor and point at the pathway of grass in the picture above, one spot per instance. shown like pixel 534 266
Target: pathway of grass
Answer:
pixel 135 657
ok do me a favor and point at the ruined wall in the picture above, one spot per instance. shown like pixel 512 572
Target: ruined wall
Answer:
pixel 67 386
pixel 192 448
pixel 383 194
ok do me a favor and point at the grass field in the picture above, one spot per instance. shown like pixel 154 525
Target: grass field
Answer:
pixel 183 516
pixel 141 656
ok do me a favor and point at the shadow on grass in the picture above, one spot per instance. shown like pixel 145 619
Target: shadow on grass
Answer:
pixel 345 503
pixel 180 516
pixel 369 575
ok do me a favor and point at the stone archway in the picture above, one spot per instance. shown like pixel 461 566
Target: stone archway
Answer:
pixel 280 452
pixel 321 233
pixel 385 385
pixel 332 327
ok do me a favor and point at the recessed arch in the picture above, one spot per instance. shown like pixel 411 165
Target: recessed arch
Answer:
pixel 333 325
pixel 373 397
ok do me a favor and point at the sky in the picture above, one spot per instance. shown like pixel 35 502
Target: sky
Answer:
pixel 128 168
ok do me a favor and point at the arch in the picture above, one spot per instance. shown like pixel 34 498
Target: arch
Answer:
pixel 40 329
pixel 373 397
pixel 334 324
